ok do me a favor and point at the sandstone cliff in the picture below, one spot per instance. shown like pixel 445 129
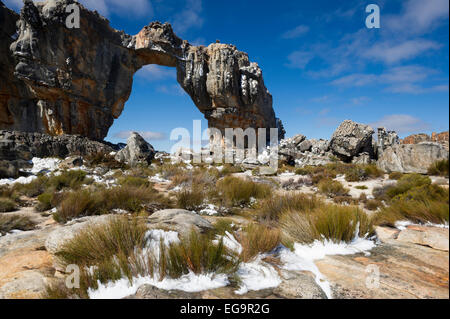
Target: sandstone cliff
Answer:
pixel 58 80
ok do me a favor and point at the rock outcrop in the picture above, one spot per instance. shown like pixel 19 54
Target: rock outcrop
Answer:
pixel 136 151
pixel 441 138
pixel 351 139
pixel 411 158
pixel 58 80
pixel 24 146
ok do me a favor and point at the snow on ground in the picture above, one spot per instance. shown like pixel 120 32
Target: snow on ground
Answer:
pixel 20 180
pixel 188 283
pixel 403 224
pixel 158 179
pixel 303 256
pixel 257 275
pixel 210 210
pixel 44 165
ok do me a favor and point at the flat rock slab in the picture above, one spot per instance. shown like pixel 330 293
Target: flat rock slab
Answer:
pixel 433 237
pixel 179 220
pixel 407 271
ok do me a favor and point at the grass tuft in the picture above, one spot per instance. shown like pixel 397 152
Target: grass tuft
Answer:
pixel 256 239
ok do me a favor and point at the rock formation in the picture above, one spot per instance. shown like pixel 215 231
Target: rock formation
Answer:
pixel 351 139
pixel 441 138
pixel 136 151
pixel 58 80
pixel 411 158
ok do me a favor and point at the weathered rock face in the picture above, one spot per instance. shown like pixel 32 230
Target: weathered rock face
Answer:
pixel 351 139
pixel 416 139
pixel 441 138
pixel 136 151
pixel 76 81
pixel 16 146
pixel 386 139
pixel 411 158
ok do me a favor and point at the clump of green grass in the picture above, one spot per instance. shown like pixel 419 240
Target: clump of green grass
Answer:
pixel 357 173
pixel 190 199
pixel 33 189
pixel 15 222
pixel 256 239
pixel 238 192
pixel 68 179
pixel 45 202
pixel 414 198
pixel 373 204
pixel 7 205
pixel 439 168
pixel 362 187
pixel 271 208
pixel 198 254
pixel 222 226
pixel 119 249
pixel 134 181
pixel 332 188
pixel 420 212
pixel 330 222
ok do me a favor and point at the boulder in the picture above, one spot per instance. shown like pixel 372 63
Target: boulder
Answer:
pixel 136 151
pixel 362 159
pixel 304 146
pixel 9 169
pixel 179 220
pixel 411 158
pixel 71 162
pixel 350 139
pixel 319 146
pixel 311 159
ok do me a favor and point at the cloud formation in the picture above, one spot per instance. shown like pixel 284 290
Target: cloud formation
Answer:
pixel 402 123
pixel 296 32
pixel 147 135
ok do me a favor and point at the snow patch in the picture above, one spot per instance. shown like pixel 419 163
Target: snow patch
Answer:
pixel 257 275
pixel 44 165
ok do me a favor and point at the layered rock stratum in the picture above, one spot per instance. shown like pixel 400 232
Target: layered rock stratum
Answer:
pixel 58 80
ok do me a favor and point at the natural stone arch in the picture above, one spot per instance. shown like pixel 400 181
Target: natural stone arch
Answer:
pixel 76 81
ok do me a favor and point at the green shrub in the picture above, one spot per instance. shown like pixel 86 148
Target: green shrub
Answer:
pixel 68 179
pixel 373 204
pixel 45 202
pixel 406 183
pixel 7 205
pixel 33 189
pixel 440 168
pixel 395 175
pixel 237 191
pixel 134 181
pixel 332 188
pixel 362 187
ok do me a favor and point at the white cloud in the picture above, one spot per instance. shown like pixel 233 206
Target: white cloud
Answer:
pixel 153 72
pixel 296 32
pixel 418 17
pixel 392 52
pixel 189 17
pixel 402 123
pixel 299 59
pixel 147 135
pixel 360 100
pixel 174 89
pixel 404 79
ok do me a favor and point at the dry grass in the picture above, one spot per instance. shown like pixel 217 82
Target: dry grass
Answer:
pixel 332 188
pixel 190 199
pixel 104 160
pixel 119 249
pixel 331 222
pixel 396 175
pixel 7 205
pixel 440 168
pixel 273 207
pixel 101 201
pixel 238 191
pixel 15 222
pixel 257 239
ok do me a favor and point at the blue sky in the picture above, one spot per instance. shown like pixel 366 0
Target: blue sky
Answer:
pixel 319 61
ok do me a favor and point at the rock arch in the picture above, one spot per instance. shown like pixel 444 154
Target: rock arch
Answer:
pixel 76 81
